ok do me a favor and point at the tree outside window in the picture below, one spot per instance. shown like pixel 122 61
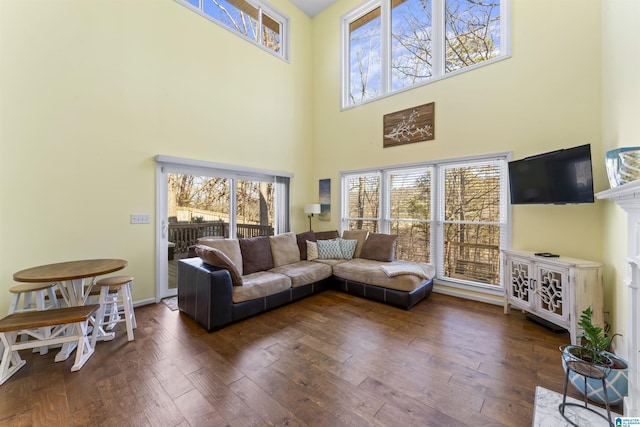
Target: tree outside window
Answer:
pixel 425 40
pixel 256 21
pixel 465 226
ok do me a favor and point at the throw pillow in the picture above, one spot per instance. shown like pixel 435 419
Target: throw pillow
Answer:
pixel 229 247
pixel 284 249
pixel 256 254
pixel 302 239
pixel 379 247
pixel 348 248
pixel 312 250
pixel 329 249
pixel 359 235
pixel 217 258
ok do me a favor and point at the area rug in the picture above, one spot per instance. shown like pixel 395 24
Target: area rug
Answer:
pixel 547 413
pixel 171 302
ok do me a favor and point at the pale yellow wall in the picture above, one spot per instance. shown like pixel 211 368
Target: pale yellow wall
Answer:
pixel 620 128
pixel 545 97
pixel 91 91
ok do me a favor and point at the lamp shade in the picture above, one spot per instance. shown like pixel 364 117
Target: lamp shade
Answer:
pixel 312 208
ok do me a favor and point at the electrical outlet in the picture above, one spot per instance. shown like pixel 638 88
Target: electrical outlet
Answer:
pixel 140 219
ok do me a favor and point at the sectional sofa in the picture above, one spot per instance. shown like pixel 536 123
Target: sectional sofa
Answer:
pixel 231 279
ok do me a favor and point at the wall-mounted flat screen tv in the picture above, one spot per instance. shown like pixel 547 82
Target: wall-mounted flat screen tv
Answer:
pixel 558 177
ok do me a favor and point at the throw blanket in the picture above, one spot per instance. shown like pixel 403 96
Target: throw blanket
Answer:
pixel 420 269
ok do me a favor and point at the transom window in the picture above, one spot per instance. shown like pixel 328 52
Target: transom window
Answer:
pixel 450 214
pixel 390 45
pixel 253 19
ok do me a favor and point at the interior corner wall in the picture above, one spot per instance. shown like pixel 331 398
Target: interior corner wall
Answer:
pixel 92 91
pixel 620 112
pixel 546 96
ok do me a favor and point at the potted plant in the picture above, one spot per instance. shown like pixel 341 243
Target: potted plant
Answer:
pixel 594 349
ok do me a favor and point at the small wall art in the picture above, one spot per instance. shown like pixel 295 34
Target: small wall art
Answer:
pixel 411 125
pixel 325 200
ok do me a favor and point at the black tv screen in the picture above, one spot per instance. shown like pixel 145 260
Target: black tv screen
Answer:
pixel 559 177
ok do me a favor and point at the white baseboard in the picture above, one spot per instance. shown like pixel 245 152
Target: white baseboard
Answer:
pixel 144 302
pixel 461 294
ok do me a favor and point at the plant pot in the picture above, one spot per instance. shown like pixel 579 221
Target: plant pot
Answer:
pixel 617 381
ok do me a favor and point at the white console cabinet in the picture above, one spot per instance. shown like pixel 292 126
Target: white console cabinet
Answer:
pixel 553 289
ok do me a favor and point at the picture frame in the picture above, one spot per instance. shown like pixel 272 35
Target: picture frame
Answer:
pixel 414 124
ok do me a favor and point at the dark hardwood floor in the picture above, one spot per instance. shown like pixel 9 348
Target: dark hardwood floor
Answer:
pixel 329 360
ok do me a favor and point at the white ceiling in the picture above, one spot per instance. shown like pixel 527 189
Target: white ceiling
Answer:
pixel 312 7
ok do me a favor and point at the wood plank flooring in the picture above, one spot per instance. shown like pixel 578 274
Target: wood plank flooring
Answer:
pixel 328 360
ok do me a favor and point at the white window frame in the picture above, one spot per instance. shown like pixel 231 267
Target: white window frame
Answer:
pixel 437 211
pixel 262 7
pixel 438 28
pixel 344 219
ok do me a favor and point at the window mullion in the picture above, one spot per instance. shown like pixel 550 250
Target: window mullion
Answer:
pixel 233 208
pixel 385 45
pixel 438 241
pixel 260 39
pixel 438 37
pixel 385 201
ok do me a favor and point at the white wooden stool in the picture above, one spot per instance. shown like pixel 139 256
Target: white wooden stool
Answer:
pixel 35 297
pixel 114 290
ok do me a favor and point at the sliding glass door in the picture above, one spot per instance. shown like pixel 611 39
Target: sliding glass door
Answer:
pixel 197 200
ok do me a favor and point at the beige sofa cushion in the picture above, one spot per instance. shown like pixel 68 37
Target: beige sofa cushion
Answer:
pixel 284 249
pixel 203 240
pixel 229 247
pixel 304 272
pixel 359 235
pixel 369 272
pixel 329 262
pixel 260 285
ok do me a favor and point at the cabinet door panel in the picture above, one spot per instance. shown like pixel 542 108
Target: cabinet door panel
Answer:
pixel 521 274
pixel 552 295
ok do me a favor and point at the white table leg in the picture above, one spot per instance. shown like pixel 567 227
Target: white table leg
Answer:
pixel 74 294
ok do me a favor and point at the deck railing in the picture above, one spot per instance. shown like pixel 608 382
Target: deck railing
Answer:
pixel 185 235
pixel 473 261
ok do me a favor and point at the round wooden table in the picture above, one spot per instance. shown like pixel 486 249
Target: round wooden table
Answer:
pixel 71 278
pixel 70 270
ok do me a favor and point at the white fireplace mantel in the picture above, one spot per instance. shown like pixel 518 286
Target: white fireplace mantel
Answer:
pixel 627 196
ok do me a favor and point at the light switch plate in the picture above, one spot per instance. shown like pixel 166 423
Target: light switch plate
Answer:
pixel 140 219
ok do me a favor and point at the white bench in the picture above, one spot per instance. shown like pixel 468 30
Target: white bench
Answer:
pixel 66 325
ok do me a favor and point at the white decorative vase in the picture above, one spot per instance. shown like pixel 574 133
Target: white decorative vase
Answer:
pixel 623 165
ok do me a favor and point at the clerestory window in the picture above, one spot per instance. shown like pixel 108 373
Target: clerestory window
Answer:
pixel 452 214
pixel 391 45
pixel 254 20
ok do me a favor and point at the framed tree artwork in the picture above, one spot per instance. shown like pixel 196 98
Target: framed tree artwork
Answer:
pixel 411 125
